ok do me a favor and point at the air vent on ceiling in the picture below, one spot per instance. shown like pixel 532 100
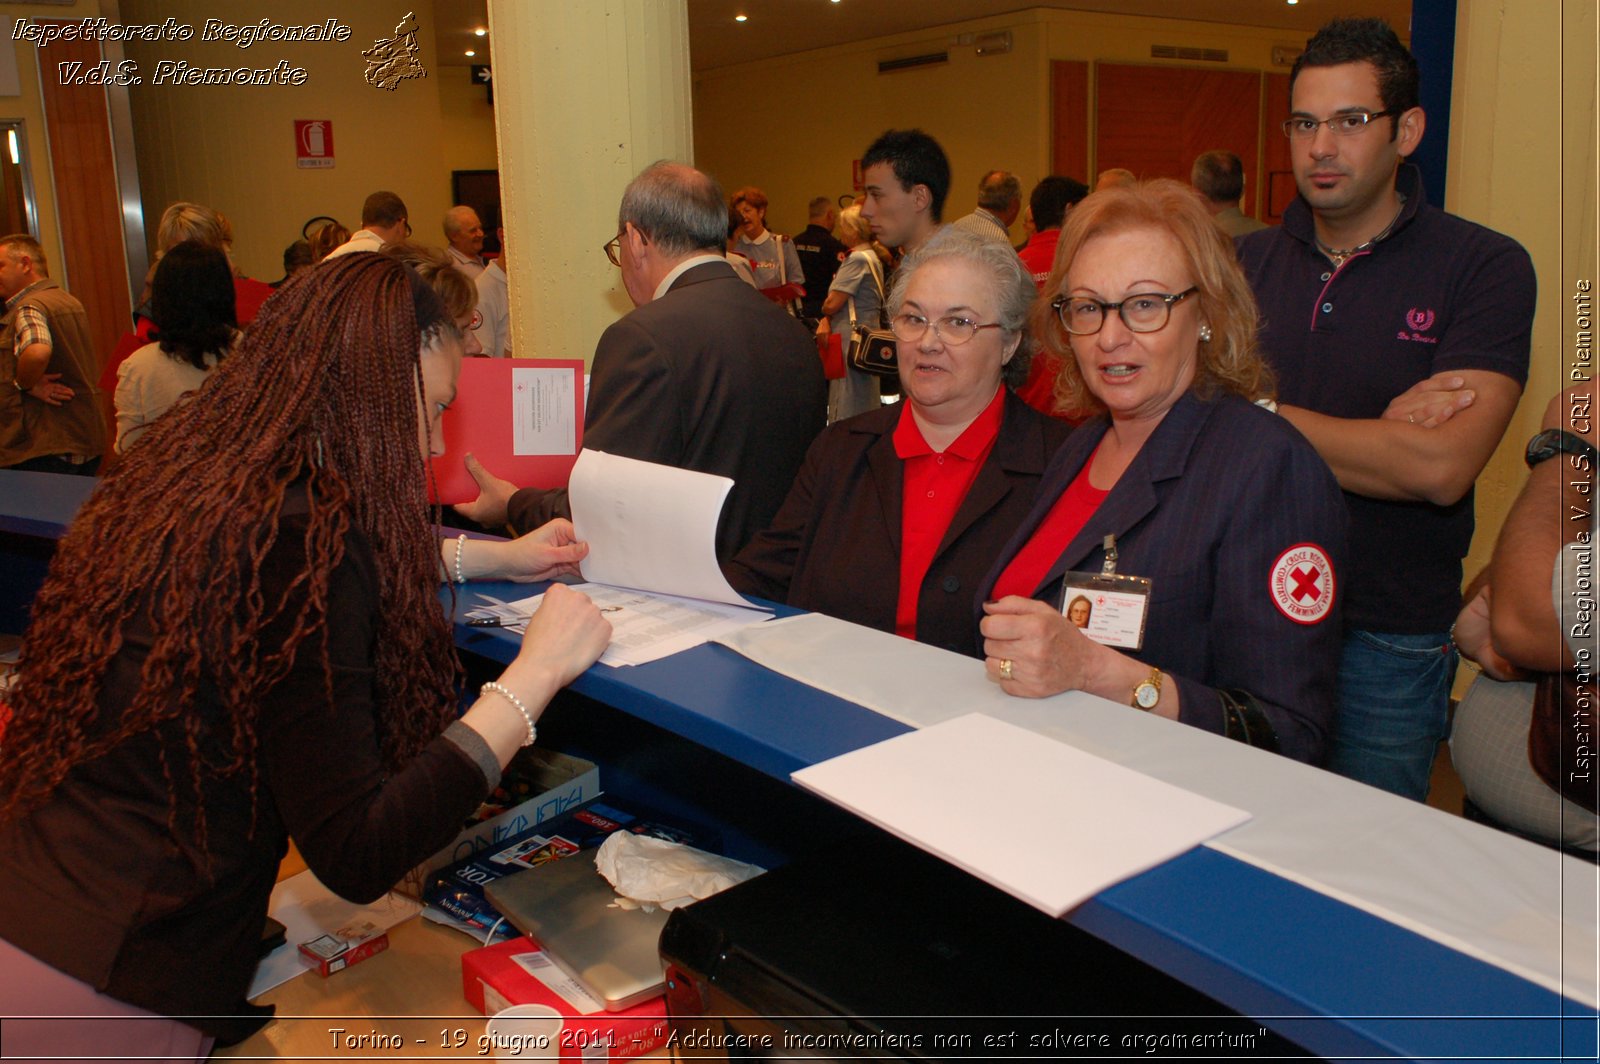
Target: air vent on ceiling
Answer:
pixel 911 62
pixel 1173 51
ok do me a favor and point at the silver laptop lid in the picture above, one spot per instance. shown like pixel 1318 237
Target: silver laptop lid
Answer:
pixel 565 906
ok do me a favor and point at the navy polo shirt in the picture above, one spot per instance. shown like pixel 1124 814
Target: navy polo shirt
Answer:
pixel 1439 293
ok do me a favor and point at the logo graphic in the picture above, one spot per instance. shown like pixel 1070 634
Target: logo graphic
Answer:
pixel 1301 583
pixel 1420 320
pixel 390 61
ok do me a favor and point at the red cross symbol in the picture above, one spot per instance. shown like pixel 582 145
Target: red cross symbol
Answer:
pixel 1305 584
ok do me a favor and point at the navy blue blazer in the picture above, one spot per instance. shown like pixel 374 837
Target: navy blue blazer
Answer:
pixel 1210 510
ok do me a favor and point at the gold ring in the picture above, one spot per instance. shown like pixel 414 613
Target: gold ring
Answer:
pixel 1005 668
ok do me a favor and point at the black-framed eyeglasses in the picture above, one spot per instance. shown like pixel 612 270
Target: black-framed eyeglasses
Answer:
pixel 1345 124
pixel 952 330
pixel 613 250
pixel 1146 312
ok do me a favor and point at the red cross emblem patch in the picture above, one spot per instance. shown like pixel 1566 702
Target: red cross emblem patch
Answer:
pixel 1301 583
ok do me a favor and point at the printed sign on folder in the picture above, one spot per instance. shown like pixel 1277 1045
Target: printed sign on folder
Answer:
pixel 521 417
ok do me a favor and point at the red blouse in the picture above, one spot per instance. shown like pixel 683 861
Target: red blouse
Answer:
pixel 932 488
pixel 1064 521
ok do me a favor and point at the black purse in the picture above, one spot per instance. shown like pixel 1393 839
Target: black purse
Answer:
pixel 872 350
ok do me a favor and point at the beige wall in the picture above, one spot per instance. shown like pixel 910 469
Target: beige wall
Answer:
pixel 30 108
pixel 1522 161
pixel 232 147
pixel 988 112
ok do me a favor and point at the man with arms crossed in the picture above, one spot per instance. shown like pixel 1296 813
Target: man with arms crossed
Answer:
pixel 1377 310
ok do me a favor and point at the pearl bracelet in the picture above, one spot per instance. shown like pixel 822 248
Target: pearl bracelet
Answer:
pixel 505 693
pixel 461 541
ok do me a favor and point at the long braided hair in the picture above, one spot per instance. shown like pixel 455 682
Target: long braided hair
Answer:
pixel 322 392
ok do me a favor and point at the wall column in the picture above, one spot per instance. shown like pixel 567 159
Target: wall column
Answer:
pixel 1522 161
pixel 586 95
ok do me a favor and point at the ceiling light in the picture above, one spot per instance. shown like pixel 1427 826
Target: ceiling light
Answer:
pixel 741 18
pixel 470 53
pixel 480 32
pixel 1291 3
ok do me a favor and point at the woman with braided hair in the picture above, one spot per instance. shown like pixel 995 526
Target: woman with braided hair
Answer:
pixel 239 642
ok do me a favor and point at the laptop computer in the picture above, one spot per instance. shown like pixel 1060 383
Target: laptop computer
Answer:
pixel 565 906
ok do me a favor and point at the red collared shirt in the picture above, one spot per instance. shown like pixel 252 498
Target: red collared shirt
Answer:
pixel 1064 521
pixel 932 488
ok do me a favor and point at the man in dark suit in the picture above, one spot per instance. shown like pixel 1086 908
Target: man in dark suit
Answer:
pixel 704 374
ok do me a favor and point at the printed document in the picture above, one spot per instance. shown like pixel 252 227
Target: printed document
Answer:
pixel 652 562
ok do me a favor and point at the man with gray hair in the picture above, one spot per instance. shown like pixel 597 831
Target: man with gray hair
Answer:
pixel 820 255
pixel 50 419
pixel 999 203
pixel 1219 178
pixel 463 236
pixel 705 373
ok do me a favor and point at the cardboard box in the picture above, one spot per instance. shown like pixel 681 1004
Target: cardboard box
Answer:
pixel 554 783
pixel 339 949
pixel 497 977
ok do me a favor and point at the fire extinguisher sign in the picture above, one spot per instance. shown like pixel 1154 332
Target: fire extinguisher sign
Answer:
pixel 313 144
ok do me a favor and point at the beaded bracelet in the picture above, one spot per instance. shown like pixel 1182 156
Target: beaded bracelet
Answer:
pixel 505 693
pixel 461 541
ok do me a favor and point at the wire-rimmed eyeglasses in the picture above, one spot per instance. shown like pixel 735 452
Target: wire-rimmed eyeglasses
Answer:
pixel 1146 312
pixel 1345 124
pixel 953 330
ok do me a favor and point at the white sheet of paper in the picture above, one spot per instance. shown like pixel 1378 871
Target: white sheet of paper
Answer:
pixel 645 627
pixel 308 909
pixel 1039 819
pixel 542 412
pixel 650 526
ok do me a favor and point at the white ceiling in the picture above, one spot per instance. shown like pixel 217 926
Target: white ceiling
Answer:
pixel 783 27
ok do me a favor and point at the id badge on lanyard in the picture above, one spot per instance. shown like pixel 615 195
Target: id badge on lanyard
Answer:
pixel 1110 608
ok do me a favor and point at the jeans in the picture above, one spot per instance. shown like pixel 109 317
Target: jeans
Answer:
pixel 1394 707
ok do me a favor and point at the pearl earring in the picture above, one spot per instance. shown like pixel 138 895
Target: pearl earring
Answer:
pixel 1205 334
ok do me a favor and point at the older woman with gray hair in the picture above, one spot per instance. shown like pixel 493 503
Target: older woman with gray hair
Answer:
pixel 857 290
pixel 898 513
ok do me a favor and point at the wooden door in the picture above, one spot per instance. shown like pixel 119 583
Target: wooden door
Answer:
pixel 83 168
pixel 1154 120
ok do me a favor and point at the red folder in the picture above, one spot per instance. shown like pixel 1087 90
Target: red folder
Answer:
pixel 482 420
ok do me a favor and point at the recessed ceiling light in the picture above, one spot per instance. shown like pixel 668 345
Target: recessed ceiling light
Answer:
pixel 741 18
pixel 480 32
pixel 470 53
pixel 1291 3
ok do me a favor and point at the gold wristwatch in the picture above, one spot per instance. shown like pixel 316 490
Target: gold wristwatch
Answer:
pixel 1148 693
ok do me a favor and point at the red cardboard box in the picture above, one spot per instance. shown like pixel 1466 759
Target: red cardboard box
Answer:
pixel 497 977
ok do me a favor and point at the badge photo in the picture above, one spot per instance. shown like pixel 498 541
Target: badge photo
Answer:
pixel 1111 610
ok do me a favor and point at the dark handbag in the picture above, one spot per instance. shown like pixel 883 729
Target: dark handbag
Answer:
pixel 873 350
pixel 1562 743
